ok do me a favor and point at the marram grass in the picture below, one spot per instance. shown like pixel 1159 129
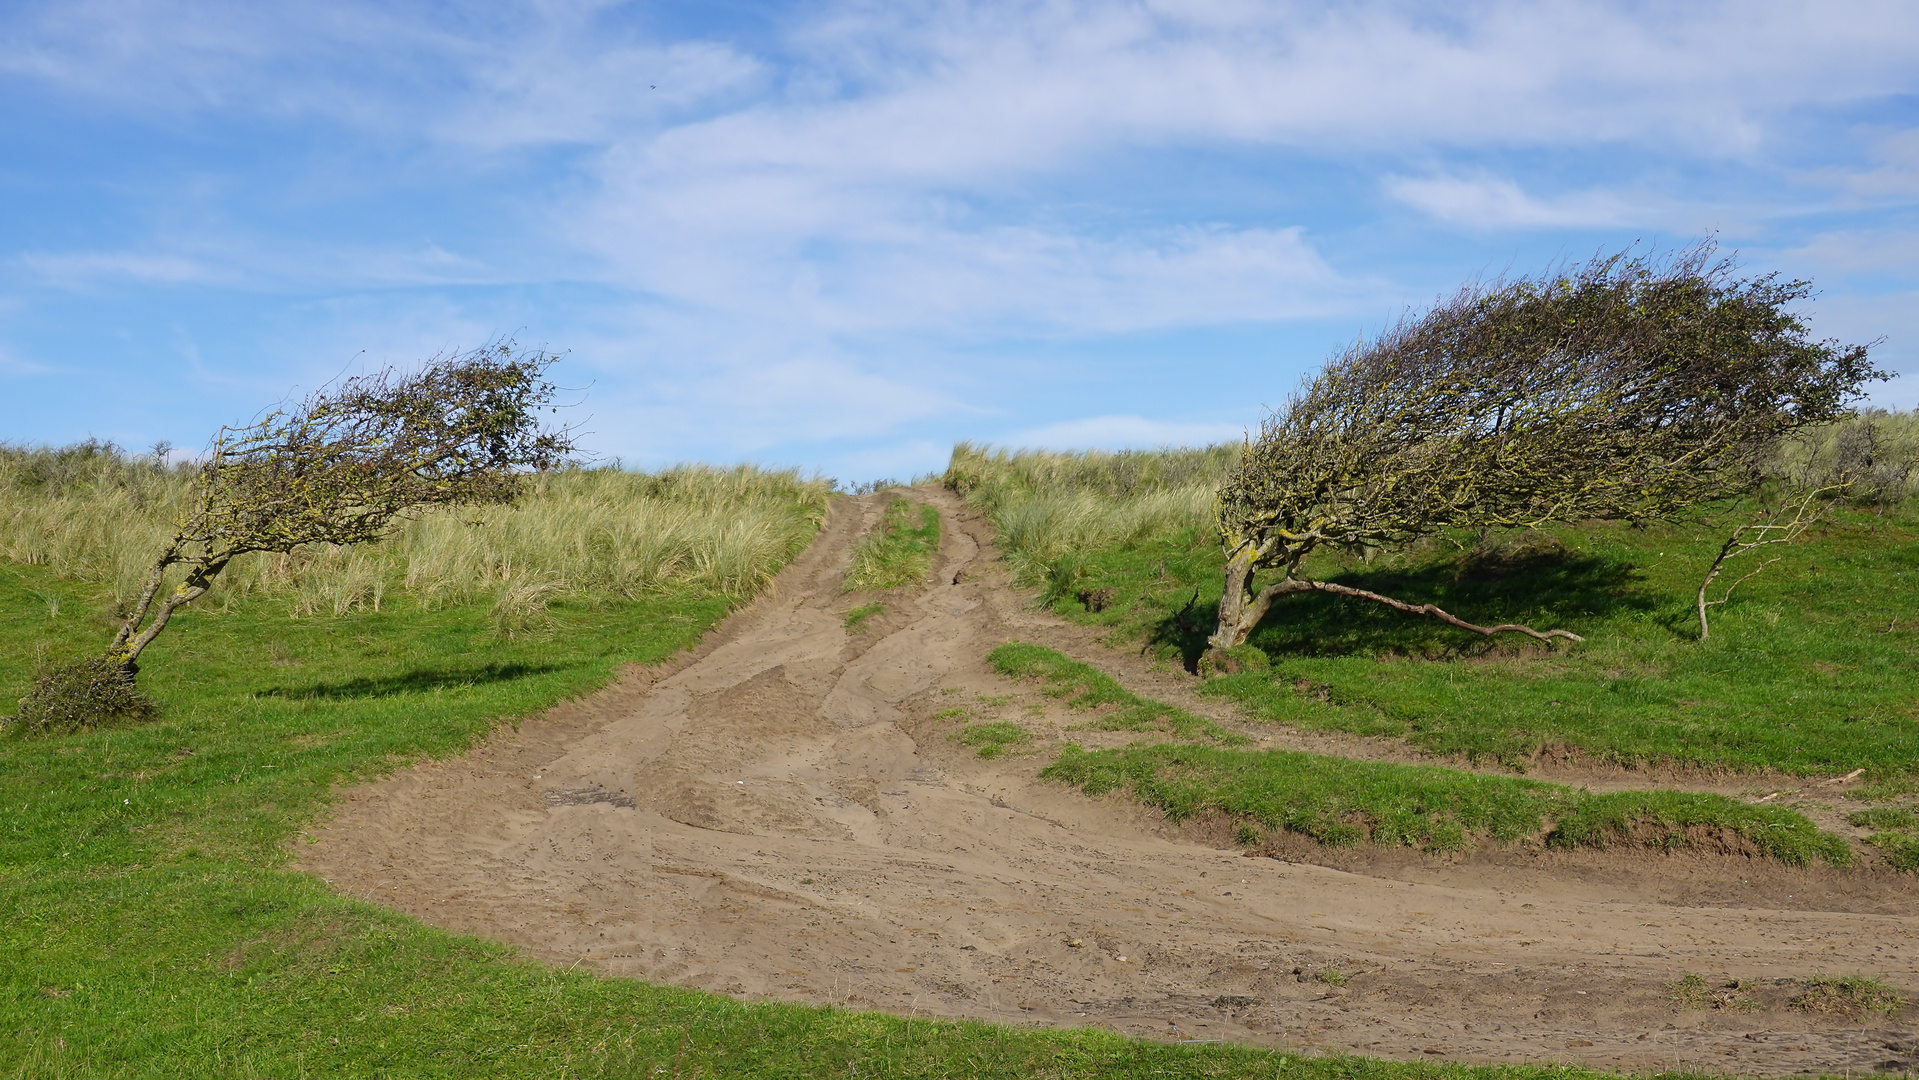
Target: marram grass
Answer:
pixel 95 514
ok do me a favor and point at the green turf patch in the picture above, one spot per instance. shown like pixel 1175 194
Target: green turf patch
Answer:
pixel 1685 819
pixel 856 618
pixel 993 739
pixel 1332 800
pixel 1339 803
pixel 899 551
pixel 1848 995
pixel 1086 687
pixel 1897 835
pixel 1883 817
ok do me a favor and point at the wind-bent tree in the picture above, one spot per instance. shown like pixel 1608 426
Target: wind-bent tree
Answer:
pixel 1629 388
pixel 343 465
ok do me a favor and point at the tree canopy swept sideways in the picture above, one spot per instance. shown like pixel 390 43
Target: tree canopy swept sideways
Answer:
pixel 1628 388
pixel 341 466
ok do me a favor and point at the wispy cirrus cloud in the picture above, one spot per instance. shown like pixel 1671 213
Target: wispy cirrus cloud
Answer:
pixel 86 268
pixel 1489 202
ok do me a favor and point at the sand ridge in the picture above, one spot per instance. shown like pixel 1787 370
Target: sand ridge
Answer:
pixel 784 814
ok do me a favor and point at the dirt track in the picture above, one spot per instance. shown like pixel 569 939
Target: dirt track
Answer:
pixel 784 815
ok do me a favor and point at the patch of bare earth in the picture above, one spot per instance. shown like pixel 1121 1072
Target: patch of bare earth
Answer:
pixel 785 814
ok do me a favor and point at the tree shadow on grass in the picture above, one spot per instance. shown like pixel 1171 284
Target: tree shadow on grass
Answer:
pixel 416 681
pixel 1546 587
pixel 1538 583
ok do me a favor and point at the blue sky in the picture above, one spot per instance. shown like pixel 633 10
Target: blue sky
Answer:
pixel 843 235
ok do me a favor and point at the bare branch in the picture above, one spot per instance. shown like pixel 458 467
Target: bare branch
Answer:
pixel 1434 611
pixel 1771 527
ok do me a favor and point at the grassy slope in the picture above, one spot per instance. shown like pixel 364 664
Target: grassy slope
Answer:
pixel 147 929
pixel 1811 669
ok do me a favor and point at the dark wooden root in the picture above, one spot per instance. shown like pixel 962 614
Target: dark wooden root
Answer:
pixel 1435 612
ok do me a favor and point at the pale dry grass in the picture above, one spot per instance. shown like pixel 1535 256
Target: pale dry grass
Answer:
pixel 1876 451
pixel 1047 507
pixel 96 514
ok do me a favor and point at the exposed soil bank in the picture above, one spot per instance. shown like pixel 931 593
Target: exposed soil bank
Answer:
pixel 786 815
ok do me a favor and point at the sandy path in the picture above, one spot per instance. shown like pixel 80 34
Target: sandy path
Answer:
pixel 785 815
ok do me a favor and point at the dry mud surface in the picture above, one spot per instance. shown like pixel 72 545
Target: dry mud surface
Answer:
pixel 784 814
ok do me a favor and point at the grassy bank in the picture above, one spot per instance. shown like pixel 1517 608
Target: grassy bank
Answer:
pixel 1810 669
pixel 1339 802
pixel 148 927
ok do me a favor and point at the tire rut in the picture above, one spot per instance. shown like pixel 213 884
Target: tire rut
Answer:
pixel 803 826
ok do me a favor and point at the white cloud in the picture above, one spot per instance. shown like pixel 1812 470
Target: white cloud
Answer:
pixel 661 409
pixel 1846 252
pixel 1122 432
pixel 1897 173
pixel 894 461
pixel 80 269
pixel 1893 316
pixel 1483 201
pixel 944 90
pixel 790 221
pixel 12 363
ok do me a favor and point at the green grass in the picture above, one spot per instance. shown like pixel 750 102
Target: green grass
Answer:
pixel 1811 668
pixel 1849 995
pixel 1340 802
pixel 1897 835
pixel 1883 817
pixel 857 617
pixel 149 928
pixel 1693 992
pixel 899 551
pixel 993 739
pixel 1086 687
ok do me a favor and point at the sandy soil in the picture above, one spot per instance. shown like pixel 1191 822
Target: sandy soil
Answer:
pixel 785 814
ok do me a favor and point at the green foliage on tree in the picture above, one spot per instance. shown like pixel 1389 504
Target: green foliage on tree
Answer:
pixel 340 468
pixel 1629 388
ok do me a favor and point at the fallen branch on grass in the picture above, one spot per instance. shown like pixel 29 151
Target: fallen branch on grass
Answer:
pixel 1294 585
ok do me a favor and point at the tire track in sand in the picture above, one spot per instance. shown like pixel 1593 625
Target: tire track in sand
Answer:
pixel 781 814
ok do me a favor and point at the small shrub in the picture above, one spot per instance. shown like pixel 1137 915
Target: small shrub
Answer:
pixel 1693 992
pixel 81 694
pixel 1849 995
